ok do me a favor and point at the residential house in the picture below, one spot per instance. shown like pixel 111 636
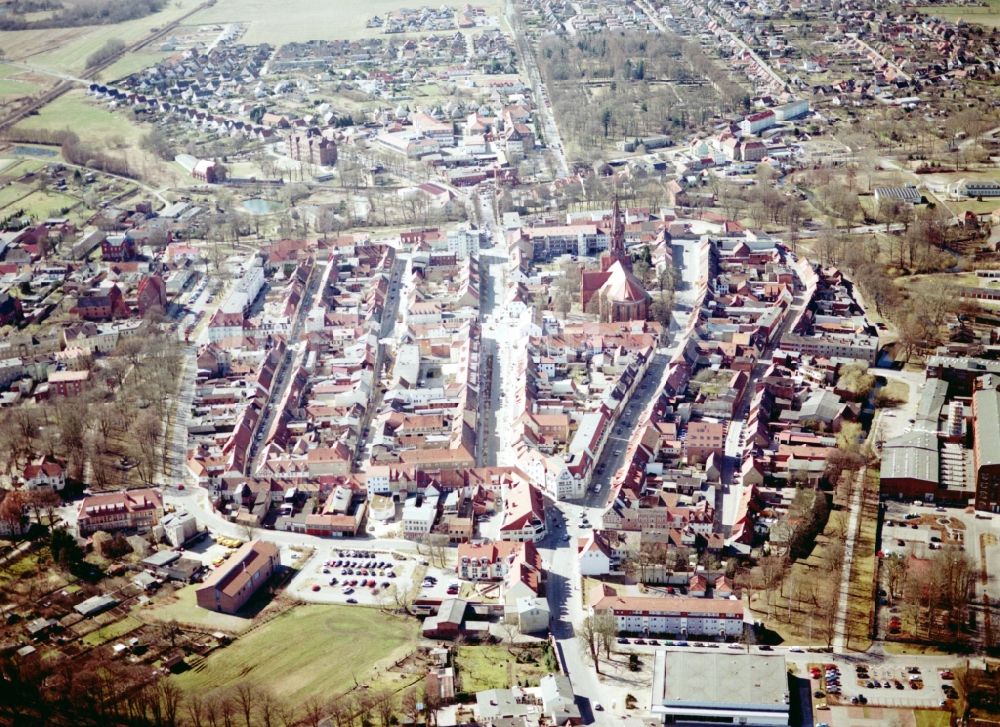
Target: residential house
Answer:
pixel 65 384
pixel 43 472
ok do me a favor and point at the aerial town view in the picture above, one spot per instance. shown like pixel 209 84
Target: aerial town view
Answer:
pixel 507 363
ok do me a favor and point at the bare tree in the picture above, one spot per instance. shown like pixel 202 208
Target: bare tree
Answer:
pixel 245 698
pixel 410 704
pixel 591 638
pixel 194 707
pixel 607 631
pixel 170 700
pixel 896 567
pixel 313 712
pixel 384 707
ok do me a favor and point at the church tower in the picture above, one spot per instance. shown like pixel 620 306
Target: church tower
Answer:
pixel 616 247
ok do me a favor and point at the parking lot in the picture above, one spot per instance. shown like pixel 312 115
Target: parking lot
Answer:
pixel 212 550
pixel 920 529
pixel 439 584
pixel 887 685
pixel 348 575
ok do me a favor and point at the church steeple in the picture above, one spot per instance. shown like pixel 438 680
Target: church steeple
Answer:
pixel 616 246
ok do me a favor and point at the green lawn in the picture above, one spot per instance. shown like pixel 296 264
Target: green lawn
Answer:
pixel 40 205
pixel 307 651
pixel 990 17
pixel 88 119
pixel 14 88
pixel 184 609
pixel 67 49
pixel 132 63
pixel 931 718
pixel 111 631
pixel 19 568
pixel 12 192
pixel 494 667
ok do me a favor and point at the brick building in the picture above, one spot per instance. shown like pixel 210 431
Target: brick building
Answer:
pixel 231 586
pixel 312 147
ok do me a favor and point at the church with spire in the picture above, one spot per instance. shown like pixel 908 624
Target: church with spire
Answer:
pixel 618 293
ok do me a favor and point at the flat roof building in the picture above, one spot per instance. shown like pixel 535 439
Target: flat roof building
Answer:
pixel 986 448
pixel 692 688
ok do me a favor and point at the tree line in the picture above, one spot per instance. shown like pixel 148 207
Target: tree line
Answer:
pixel 76 13
pixel 73 150
pixel 104 692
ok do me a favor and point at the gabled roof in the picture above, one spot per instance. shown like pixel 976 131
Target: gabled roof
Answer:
pixel 622 285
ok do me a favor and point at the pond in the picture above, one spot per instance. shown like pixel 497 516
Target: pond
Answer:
pixel 261 206
pixel 35 151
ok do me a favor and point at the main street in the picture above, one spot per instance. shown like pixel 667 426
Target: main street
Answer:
pixel 567 523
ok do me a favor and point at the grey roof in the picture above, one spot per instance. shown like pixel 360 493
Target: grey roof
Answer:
pixel 720 681
pixel 161 558
pixel 95 604
pixel 492 704
pixel 932 398
pixel 986 404
pixel 822 405
pixel 964 363
pixel 558 699
pixel 452 610
pixel 904 194
pixel 39 624
pixel 144 580
pixel 913 455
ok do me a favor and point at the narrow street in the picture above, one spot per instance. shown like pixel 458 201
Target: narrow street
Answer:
pixel 294 349
pixel 387 328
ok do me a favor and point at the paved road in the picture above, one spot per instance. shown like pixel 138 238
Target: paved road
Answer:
pixel 565 528
pixel 840 629
pixel 548 120
pixel 566 605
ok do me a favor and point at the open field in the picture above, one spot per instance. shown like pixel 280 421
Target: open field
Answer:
pixel 990 17
pixel 67 48
pixel 12 193
pixel 185 610
pixel 300 20
pixel 90 121
pixel 13 88
pixel 307 650
pixel 494 667
pixel 40 205
pixel 132 63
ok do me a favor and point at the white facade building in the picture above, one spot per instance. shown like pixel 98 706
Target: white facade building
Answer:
pixel 682 616
pixel 692 687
